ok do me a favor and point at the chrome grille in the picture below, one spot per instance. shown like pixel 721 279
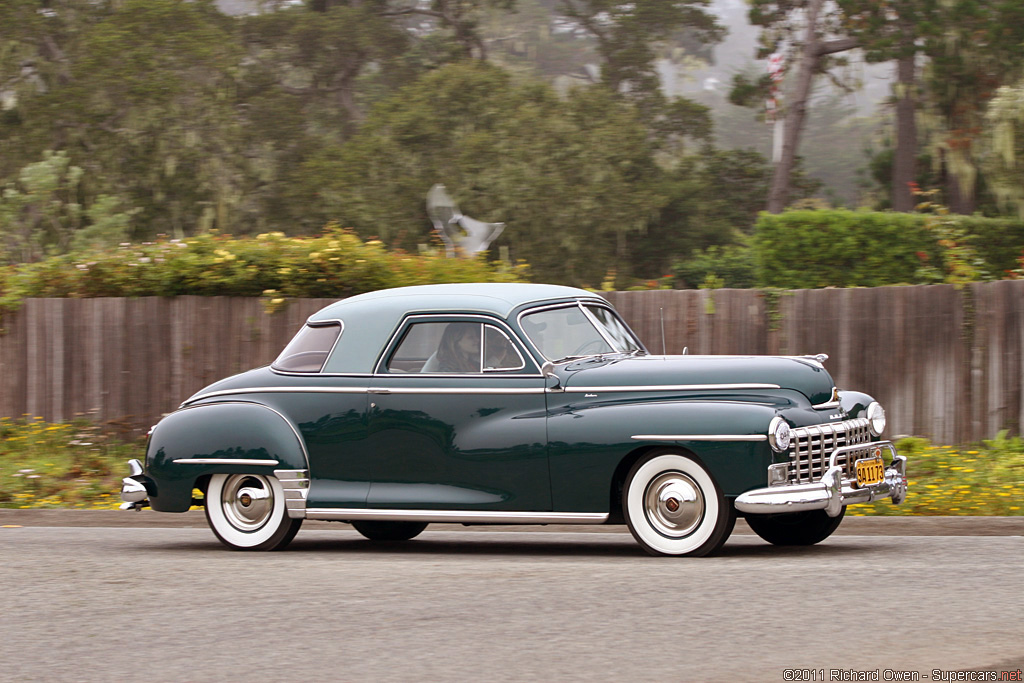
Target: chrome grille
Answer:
pixel 811 448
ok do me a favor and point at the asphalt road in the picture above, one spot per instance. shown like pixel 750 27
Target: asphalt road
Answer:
pixel 100 603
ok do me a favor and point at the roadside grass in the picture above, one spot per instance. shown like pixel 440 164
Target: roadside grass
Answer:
pixel 945 480
pixel 80 465
pixel 62 464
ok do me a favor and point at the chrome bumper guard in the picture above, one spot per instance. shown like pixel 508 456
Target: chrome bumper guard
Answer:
pixel 133 491
pixel 832 492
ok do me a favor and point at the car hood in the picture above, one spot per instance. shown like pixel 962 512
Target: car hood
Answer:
pixel 805 375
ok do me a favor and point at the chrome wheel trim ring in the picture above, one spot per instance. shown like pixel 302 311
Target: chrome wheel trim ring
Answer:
pixel 674 504
pixel 247 501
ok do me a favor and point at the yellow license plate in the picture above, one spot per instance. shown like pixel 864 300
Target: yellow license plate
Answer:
pixel 870 471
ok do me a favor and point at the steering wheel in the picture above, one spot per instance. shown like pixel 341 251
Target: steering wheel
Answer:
pixel 582 349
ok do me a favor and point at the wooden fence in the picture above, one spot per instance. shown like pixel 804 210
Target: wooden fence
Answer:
pixel 945 362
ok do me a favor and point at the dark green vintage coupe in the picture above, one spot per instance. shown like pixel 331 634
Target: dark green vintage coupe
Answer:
pixel 515 404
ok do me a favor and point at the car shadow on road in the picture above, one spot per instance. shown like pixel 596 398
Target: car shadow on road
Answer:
pixel 533 545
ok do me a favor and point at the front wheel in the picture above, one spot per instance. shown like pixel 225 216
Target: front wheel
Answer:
pixel 795 528
pixel 389 531
pixel 673 506
pixel 247 512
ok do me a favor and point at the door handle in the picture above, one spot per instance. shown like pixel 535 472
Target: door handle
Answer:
pixel 373 390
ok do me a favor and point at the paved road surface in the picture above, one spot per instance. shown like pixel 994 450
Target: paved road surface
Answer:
pixel 170 604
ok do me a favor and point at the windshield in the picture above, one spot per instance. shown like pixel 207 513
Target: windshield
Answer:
pixel 578 330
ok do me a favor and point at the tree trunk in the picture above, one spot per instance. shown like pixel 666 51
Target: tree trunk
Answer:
pixel 904 167
pixel 796 111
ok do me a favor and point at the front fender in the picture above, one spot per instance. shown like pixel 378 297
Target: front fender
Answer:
pixel 854 403
pixel 588 443
pixel 232 437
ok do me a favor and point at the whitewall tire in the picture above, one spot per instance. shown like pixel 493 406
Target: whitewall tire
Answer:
pixel 674 507
pixel 247 512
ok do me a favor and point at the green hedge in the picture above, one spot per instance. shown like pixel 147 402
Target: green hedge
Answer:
pixel 335 264
pixel 838 248
pixel 810 249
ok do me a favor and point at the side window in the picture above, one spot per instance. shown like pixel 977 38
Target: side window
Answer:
pixel 499 352
pixel 454 348
pixel 308 350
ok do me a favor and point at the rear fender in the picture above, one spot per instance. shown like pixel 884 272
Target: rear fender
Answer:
pixel 231 437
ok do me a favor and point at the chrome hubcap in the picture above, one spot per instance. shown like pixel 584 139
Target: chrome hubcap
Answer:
pixel 247 501
pixel 674 504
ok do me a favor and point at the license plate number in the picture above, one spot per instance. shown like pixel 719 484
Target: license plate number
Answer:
pixel 870 471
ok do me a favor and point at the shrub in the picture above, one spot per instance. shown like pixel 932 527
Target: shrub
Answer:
pixel 809 249
pixel 732 264
pixel 335 264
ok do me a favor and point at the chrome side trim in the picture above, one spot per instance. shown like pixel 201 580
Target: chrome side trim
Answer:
pixel 289 373
pixel 374 390
pixel 295 484
pixel 275 390
pixel 700 437
pixel 458 516
pixel 226 461
pixel 455 391
pixel 669 387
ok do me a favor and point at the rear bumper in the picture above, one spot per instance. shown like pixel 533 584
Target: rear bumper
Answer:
pixel 133 490
pixel 833 491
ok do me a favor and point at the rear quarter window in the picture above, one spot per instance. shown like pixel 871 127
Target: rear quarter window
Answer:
pixel 309 349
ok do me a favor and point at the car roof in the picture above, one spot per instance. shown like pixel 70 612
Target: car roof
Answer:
pixel 495 298
pixel 370 319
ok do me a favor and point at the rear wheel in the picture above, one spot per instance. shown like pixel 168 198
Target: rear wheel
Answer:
pixel 247 512
pixel 795 528
pixel 674 507
pixel 389 531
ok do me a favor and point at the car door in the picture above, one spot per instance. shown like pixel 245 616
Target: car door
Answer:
pixel 456 420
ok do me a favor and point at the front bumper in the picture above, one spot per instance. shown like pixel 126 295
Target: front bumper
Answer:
pixel 833 491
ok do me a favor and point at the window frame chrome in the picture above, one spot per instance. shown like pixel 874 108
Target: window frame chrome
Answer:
pixel 389 348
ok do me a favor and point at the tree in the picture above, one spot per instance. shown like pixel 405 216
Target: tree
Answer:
pixel 897 30
pixel 145 105
pixel 627 36
pixel 783 23
pixel 41 213
pixel 977 51
pixel 572 179
pixel 627 33
pixel 461 17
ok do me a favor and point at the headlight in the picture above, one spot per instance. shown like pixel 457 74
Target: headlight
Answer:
pixel 778 434
pixel 876 419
